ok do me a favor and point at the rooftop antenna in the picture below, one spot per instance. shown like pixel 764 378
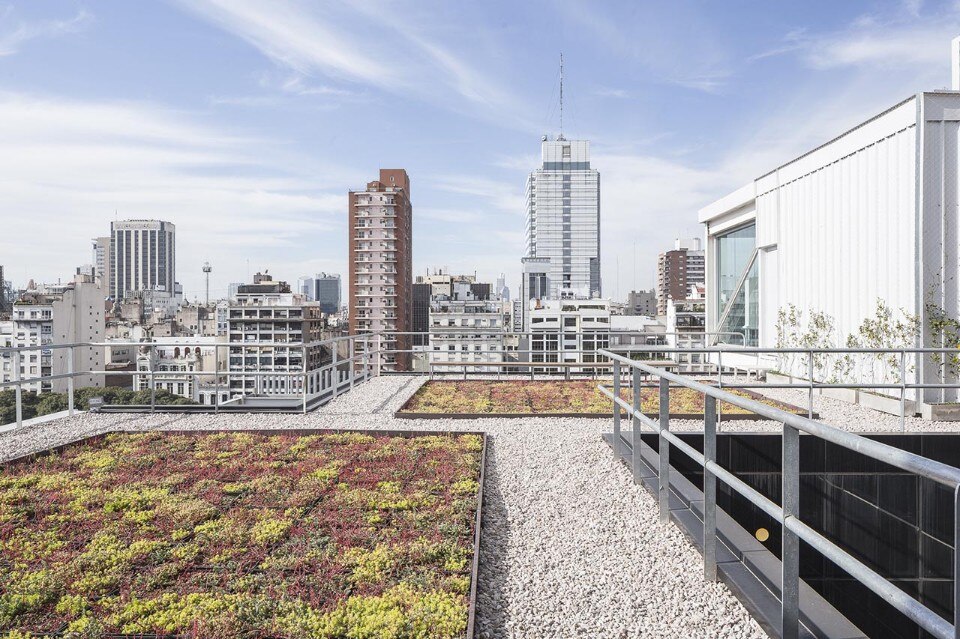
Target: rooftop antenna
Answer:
pixel 561 95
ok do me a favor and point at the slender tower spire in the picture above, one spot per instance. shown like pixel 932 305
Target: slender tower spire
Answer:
pixel 561 95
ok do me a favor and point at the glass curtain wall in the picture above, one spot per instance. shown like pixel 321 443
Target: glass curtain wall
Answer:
pixel 738 304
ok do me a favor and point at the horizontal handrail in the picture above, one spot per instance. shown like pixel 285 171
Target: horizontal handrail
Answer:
pixel 787 513
pixel 937 471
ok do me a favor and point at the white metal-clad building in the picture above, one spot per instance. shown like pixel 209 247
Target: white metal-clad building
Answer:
pixel 870 215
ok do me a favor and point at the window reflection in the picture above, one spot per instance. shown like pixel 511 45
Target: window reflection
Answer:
pixel 735 251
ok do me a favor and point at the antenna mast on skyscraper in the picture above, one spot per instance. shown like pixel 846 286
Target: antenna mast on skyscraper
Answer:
pixel 561 95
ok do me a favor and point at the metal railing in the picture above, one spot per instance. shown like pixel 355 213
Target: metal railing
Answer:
pixel 787 513
pixel 307 386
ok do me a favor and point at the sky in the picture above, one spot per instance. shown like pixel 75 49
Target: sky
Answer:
pixel 245 123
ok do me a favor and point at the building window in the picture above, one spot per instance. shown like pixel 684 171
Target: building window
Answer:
pixel 738 287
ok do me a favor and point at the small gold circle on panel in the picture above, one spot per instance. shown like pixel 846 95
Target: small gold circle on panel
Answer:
pixel 762 534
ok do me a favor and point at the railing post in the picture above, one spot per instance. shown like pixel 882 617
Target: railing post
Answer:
pixel 352 352
pixel 663 487
pixel 810 380
pixel 303 376
pixel 616 409
pixel 153 379
pixel 70 381
pixel 216 377
pixel 637 440
pixel 709 488
pixel 335 372
pixel 903 391
pixel 790 548
pixel 379 353
pixel 17 359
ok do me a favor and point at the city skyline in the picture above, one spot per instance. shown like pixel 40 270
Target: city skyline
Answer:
pixel 258 144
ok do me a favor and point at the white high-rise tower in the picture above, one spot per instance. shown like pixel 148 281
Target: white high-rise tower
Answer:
pixel 563 224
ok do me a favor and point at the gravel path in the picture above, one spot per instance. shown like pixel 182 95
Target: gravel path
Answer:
pixel 570 547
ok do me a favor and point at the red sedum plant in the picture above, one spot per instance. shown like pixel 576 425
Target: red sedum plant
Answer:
pixel 548 397
pixel 239 534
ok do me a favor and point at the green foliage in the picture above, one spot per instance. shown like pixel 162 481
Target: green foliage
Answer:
pixel 945 333
pixel 885 329
pixel 37 405
pixel 207 538
pixel 402 612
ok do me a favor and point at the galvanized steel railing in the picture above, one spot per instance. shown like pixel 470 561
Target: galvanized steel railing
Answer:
pixel 788 512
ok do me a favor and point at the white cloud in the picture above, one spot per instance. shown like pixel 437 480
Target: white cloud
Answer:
pixel 364 44
pixel 11 41
pixel 504 196
pixel 69 165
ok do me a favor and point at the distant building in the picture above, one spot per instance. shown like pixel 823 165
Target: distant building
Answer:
pixel 421 313
pixel 481 337
pixel 177 361
pixel 65 314
pixel 326 291
pixel 101 262
pixel 501 289
pixel 142 257
pixel 266 311
pixel 441 284
pixel 381 265
pixel 686 322
pixel 6 295
pixel 563 219
pixel 574 328
pixel 641 303
pixel 678 270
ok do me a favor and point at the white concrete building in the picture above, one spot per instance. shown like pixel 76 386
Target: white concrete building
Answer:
pixel 868 216
pixel 176 359
pixel 266 311
pixel 481 339
pixel 573 328
pixel 68 314
pixel 563 219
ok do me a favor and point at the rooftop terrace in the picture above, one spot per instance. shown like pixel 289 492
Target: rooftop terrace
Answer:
pixel 570 546
pixel 572 543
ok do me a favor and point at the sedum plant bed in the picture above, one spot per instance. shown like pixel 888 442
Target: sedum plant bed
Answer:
pixel 470 399
pixel 239 534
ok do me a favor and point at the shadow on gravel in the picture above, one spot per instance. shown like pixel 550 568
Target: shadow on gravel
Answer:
pixel 494 568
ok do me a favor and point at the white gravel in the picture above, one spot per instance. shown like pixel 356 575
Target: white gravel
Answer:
pixel 570 547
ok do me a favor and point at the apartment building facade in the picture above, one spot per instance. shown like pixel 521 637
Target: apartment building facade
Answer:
pixel 177 364
pixel 266 311
pixel 479 338
pixel 678 270
pixel 380 227
pixel 568 330
pixel 69 314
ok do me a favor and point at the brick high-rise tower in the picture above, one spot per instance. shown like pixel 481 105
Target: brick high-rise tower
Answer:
pixel 381 265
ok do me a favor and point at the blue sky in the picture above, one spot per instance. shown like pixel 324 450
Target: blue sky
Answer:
pixel 246 122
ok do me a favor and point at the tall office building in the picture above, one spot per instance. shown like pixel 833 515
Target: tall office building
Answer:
pixel 101 262
pixel 563 220
pixel 6 300
pixel 326 290
pixel 381 264
pixel 678 270
pixel 142 257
